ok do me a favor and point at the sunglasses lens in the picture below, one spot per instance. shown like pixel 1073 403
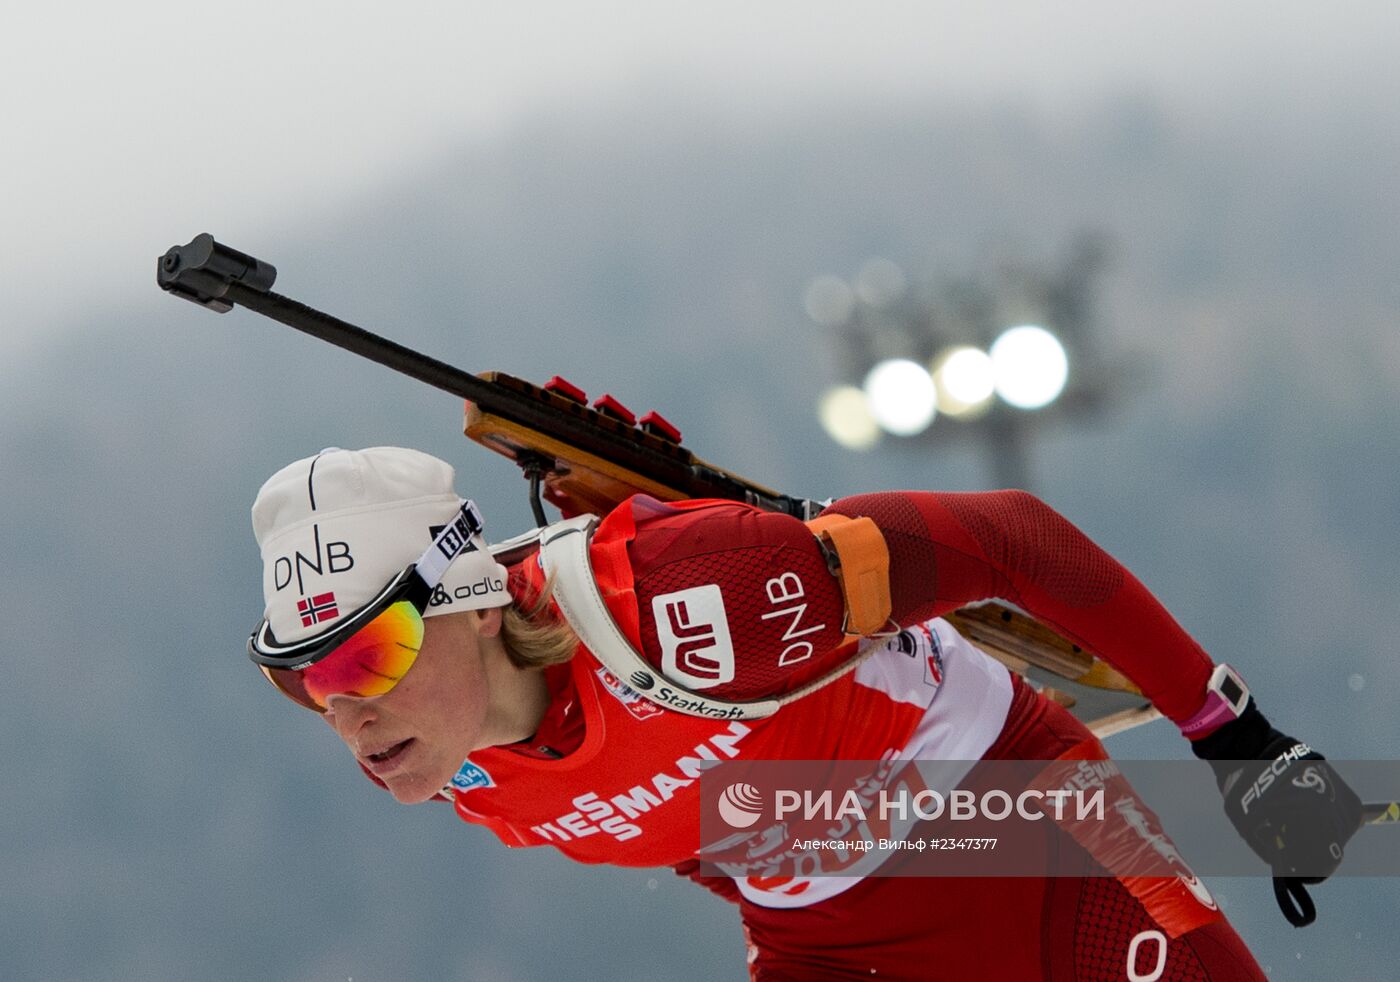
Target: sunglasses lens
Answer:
pixel 368 663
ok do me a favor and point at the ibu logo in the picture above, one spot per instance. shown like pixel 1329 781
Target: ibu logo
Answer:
pixel 472 776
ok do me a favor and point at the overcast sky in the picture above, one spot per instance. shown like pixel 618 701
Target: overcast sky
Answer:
pixel 128 127
pixel 125 128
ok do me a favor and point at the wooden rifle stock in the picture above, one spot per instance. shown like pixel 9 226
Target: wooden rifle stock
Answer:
pixel 578 482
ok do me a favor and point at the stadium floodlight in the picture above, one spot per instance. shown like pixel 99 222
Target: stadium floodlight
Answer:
pixel 845 415
pixel 902 396
pixel 1031 366
pixel 940 333
pixel 965 380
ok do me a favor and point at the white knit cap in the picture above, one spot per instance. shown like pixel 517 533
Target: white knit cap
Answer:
pixel 335 528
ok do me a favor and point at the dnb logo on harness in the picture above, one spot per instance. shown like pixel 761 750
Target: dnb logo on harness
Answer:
pixel 472 776
pixel 316 609
pixel 694 634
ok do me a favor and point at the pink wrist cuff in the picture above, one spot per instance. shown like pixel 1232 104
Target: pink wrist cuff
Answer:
pixel 1210 716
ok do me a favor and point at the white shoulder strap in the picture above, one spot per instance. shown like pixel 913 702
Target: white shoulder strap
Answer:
pixel 564 555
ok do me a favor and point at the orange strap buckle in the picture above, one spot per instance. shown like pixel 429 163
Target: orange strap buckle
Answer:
pixel 862 565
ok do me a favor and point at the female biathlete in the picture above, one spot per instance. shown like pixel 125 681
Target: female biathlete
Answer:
pixel 449 674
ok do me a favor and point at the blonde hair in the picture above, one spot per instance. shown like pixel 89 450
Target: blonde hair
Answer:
pixel 536 636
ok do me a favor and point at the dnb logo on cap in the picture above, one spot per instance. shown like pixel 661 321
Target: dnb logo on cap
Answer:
pixel 316 609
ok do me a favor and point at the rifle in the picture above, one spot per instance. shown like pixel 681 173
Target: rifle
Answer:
pixel 586 459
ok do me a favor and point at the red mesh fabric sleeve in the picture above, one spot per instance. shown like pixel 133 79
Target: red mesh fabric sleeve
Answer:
pixel 781 608
pixel 948 549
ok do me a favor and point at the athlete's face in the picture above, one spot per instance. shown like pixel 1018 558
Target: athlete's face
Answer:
pixel 415 736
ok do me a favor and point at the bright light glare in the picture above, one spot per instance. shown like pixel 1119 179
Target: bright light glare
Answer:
pixel 902 396
pixel 1031 366
pixel 845 415
pixel 965 380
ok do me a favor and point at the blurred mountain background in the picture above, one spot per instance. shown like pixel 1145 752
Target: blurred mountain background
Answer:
pixel 168 817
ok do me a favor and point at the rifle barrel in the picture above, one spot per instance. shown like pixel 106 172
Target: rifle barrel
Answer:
pixel 216 276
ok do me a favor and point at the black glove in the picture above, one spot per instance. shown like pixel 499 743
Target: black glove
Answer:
pixel 1294 811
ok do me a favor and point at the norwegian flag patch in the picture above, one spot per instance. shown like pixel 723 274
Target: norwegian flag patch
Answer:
pixel 314 610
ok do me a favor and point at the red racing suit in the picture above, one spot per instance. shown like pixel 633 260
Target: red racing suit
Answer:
pixel 612 777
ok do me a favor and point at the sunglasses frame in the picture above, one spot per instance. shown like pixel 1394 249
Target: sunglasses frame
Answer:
pixel 264 649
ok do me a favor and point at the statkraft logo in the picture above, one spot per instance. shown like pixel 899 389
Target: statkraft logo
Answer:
pixel 693 631
pixel 695 707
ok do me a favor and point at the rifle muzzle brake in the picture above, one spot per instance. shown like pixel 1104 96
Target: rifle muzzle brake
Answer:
pixel 203 270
